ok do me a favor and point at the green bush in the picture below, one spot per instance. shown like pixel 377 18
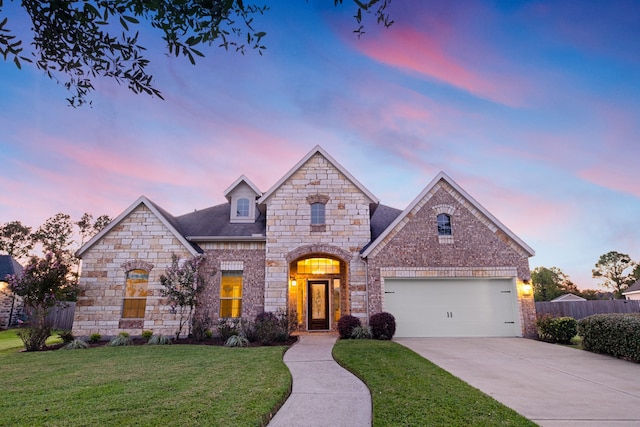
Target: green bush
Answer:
pixel 236 341
pixel 66 336
pixel 271 327
pixel 556 329
pixel 383 325
pixel 75 345
pixel 615 334
pixel 121 340
pixel 227 327
pixel 146 335
pixel 94 338
pixel 346 325
pixel 361 333
pixel 159 340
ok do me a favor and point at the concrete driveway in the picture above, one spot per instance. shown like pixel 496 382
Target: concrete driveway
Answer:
pixel 549 384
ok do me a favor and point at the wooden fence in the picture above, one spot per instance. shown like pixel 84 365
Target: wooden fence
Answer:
pixel 581 309
pixel 61 316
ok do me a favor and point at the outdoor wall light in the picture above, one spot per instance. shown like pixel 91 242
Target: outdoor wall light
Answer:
pixel 293 282
pixel 526 289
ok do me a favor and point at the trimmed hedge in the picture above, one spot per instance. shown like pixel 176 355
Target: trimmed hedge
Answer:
pixel 383 326
pixel 346 325
pixel 615 334
pixel 557 329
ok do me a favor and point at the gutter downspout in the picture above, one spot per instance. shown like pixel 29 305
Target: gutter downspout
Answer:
pixel 366 284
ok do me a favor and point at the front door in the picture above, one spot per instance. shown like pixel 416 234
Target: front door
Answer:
pixel 318 299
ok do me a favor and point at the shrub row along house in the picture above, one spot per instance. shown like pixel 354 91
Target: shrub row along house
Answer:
pixel 316 245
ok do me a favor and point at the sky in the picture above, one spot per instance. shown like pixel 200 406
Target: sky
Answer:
pixel 533 107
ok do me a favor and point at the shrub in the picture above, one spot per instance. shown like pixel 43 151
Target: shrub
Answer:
pixel 346 324
pixel 236 341
pixel 227 327
pixel 121 340
pixel 383 325
pixel 159 340
pixel 200 327
pixel 94 338
pixel 614 334
pixel 208 334
pixel 271 327
pixel 361 333
pixel 146 335
pixel 66 336
pixel 75 345
pixel 557 329
pixel 34 338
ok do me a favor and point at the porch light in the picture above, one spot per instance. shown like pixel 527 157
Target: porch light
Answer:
pixel 293 282
pixel 526 289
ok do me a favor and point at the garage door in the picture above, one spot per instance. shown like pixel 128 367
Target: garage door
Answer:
pixel 453 307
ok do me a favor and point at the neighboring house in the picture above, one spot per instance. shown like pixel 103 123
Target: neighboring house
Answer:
pixel 567 298
pixel 9 303
pixel 316 245
pixel 633 291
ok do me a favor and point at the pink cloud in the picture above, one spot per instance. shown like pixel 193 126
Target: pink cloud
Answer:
pixel 417 52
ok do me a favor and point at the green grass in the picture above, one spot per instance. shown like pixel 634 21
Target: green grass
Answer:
pixel 408 390
pixel 143 385
pixel 10 341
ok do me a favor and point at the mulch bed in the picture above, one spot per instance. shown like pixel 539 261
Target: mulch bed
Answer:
pixel 190 341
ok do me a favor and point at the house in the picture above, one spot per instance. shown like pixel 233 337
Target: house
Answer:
pixel 633 291
pixel 568 298
pixel 9 303
pixel 316 245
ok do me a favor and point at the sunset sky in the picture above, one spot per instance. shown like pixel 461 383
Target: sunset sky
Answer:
pixel 533 107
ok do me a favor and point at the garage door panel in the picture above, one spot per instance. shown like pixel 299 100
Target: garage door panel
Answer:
pixel 452 307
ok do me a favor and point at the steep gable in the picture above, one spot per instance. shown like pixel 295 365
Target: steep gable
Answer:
pixel 164 217
pixel 456 196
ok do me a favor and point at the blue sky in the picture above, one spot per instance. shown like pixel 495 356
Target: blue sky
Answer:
pixel 532 107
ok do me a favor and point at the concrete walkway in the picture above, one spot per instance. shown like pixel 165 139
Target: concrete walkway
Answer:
pixel 550 384
pixel 324 393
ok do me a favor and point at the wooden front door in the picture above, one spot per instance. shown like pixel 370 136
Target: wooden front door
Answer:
pixel 318 300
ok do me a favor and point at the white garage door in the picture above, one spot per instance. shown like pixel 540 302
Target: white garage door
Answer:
pixel 453 307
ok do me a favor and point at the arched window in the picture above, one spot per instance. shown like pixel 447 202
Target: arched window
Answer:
pixel 135 297
pixel 444 225
pixel 317 213
pixel 242 207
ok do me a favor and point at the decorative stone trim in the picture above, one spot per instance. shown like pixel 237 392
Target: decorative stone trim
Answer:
pixel 131 324
pixel 231 265
pixel 388 272
pixel 319 249
pixel 447 240
pixel 137 265
pixel 317 198
pixel 318 228
pixel 444 209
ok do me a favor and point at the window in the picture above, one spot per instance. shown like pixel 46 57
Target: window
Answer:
pixel 242 208
pixel 317 214
pixel 231 294
pixel 444 225
pixel 319 266
pixel 135 298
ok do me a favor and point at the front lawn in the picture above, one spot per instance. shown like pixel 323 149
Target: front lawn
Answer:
pixel 143 385
pixel 408 390
pixel 10 340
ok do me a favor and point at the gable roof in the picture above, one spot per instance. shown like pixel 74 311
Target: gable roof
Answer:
pixel 633 288
pixel 8 265
pixel 396 224
pixel 212 223
pixel 568 297
pixel 238 182
pixel 318 150
pixel 166 218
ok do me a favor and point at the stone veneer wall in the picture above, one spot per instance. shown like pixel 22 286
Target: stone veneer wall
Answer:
pixel 6 301
pixel 250 261
pixel 140 238
pixel 477 248
pixel 289 227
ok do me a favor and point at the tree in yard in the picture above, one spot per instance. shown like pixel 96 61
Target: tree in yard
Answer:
pixel 182 284
pixel 76 41
pixel 55 234
pixel 550 283
pixel 611 267
pixel 15 239
pixel 41 285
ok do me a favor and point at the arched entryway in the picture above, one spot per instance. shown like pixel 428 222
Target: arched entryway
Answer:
pixel 317 289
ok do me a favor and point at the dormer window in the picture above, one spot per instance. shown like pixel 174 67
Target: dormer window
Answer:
pixel 242 208
pixel 444 225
